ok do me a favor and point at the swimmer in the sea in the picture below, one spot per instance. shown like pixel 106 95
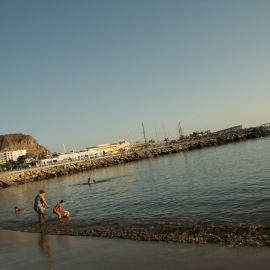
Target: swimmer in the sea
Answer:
pixel 91 181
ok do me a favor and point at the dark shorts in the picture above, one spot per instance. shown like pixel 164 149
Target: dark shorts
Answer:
pixel 40 209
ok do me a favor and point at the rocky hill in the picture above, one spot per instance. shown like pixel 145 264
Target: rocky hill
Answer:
pixel 12 142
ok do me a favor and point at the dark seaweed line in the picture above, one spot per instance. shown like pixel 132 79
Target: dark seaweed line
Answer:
pixel 256 235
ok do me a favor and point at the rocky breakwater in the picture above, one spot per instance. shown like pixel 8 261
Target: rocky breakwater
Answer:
pixel 136 153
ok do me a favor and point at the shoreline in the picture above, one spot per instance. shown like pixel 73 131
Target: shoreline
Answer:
pixel 232 235
pixel 65 252
pixel 9 179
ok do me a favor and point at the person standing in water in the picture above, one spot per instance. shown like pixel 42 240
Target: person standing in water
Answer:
pixel 91 181
pixel 40 205
pixel 17 210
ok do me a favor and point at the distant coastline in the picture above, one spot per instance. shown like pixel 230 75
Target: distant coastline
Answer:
pixel 138 152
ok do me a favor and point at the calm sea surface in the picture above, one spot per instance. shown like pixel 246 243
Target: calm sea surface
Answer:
pixel 223 184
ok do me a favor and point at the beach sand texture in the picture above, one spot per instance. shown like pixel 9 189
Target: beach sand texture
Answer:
pixel 38 251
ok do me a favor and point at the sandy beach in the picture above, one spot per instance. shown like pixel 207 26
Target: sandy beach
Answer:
pixel 38 251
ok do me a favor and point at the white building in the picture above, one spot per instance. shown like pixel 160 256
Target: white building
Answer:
pixel 109 149
pixel 91 152
pixel 66 157
pixel 11 155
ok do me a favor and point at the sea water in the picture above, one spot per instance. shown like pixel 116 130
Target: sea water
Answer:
pixel 225 184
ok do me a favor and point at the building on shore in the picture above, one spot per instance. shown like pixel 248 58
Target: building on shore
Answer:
pixel 91 152
pixel 109 149
pixel 11 155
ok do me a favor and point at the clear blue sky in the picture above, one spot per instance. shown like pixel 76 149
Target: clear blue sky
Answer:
pixel 90 72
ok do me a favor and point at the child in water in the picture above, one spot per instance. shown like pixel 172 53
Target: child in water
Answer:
pixel 58 209
pixel 17 210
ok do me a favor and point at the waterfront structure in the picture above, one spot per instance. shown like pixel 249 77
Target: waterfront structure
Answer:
pixel 91 152
pixel 109 149
pixel 229 130
pixel 144 135
pixel 11 155
pixel 48 161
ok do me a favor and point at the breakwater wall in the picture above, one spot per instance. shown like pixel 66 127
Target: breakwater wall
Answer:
pixel 150 151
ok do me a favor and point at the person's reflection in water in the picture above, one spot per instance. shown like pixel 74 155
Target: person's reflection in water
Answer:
pixel 65 221
pixel 46 248
pixel 63 241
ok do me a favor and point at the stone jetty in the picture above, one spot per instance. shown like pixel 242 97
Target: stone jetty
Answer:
pixel 150 150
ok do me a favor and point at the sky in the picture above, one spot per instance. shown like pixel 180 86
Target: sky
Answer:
pixel 82 73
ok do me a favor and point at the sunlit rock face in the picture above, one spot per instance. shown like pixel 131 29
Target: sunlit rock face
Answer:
pixel 12 142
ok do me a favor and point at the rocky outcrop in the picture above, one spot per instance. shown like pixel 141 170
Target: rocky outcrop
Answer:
pixel 154 150
pixel 12 142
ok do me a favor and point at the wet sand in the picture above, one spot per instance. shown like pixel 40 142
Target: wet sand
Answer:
pixel 38 251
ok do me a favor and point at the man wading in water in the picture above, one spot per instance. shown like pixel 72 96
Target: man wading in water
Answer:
pixel 40 206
